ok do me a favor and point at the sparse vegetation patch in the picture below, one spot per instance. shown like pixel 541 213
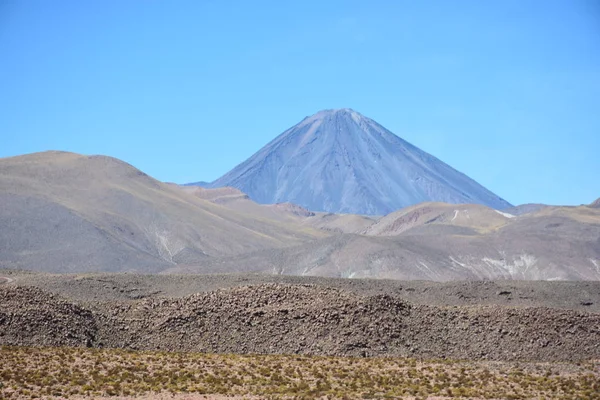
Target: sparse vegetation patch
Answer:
pixel 30 373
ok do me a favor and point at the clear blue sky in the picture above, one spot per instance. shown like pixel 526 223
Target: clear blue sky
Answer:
pixel 505 91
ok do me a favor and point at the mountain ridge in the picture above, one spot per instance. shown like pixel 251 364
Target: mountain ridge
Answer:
pixel 65 212
pixel 69 212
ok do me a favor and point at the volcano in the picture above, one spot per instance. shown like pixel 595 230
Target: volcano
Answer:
pixel 340 161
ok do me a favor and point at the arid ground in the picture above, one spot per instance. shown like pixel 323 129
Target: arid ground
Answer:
pixel 90 373
pixel 258 336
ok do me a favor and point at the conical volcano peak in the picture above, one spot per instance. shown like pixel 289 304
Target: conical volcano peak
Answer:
pixel 340 161
pixel 338 113
pixel 335 116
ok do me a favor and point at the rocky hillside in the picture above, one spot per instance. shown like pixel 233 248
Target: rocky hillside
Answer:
pixel 301 319
pixel 30 316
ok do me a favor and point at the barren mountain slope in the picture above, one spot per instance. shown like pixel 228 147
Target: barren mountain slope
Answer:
pixel 474 216
pixel 285 212
pixel 524 208
pixel 65 212
pixel 340 223
pixel 238 201
pixel 559 244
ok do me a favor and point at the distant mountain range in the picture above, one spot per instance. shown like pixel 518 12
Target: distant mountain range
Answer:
pixel 65 212
pixel 428 241
pixel 340 161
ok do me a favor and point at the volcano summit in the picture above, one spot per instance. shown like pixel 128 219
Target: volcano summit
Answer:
pixel 343 162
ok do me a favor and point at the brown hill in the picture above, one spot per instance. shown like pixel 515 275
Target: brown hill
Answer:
pixel 63 211
pixel 301 319
pixel 48 319
pixel 595 204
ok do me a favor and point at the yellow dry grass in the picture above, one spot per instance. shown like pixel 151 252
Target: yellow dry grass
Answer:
pixel 30 373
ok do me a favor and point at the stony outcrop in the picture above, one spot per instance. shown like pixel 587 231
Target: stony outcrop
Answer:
pixel 303 319
pixel 30 316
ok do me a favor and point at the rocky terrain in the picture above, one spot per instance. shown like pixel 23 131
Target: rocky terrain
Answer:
pixel 370 319
pixel 103 287
pixel 31 316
